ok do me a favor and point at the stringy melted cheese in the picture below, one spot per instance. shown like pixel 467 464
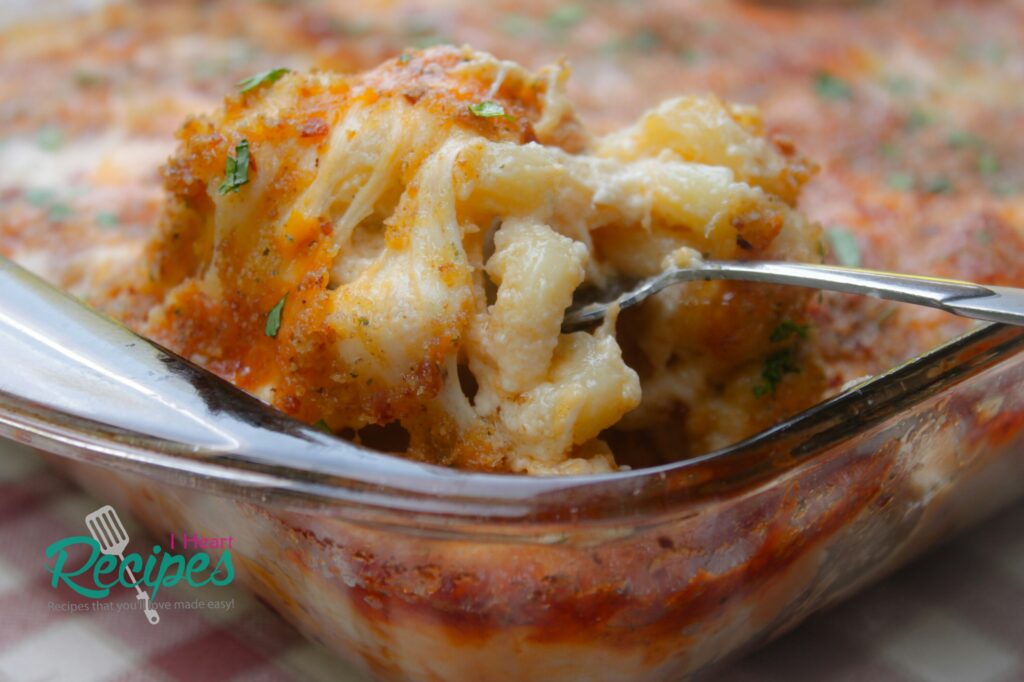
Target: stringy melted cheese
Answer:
pixel 428 255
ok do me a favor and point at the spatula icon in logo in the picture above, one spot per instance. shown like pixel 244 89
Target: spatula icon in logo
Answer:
pixel 109 532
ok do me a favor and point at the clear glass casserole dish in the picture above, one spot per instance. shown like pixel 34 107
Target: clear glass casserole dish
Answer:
pixel 420 573
pixel 417 572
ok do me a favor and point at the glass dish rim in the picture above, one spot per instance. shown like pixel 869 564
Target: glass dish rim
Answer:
pixel 427 496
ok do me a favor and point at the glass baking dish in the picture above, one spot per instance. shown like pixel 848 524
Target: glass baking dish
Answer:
pixel 415 572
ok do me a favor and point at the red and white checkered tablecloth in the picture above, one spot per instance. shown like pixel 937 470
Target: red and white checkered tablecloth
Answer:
pixel 955 615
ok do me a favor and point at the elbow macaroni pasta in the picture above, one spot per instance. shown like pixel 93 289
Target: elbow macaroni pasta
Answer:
pixel 428 255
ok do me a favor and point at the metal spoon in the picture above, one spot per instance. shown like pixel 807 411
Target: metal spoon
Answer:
pixel 995 304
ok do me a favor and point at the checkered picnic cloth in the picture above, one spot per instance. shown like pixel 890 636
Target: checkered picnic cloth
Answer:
pixel 957 614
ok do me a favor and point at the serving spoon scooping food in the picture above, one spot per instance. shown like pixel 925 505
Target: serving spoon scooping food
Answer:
pixel 991 303
pixel 77 383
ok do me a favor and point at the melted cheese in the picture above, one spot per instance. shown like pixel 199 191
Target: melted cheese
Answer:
pixel 426 256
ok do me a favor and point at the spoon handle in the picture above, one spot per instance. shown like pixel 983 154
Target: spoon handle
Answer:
pixel 995 304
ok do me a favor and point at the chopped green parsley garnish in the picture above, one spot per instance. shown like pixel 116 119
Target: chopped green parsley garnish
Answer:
pixel 992 53
pixel 274 318
pixel 489 109
pixel 788 328
pixel 900 180
pixel 938 185
pixel 831 87
pixel 365 321
pixel 987 163
pixel 566 16
pixel 845 246
pixel 236 172
pixel 322 425
pixel 515 24
pixel 60 212
pixel 899 85
pixel 963 138
pixel 644 40
pixel 425 41
pixel 39 197
pixel 404 58
pixel 776 366
pixel 889 150
pixel 107 219
pixel 689 55
pixel 256 80
pixel 917 119
pixel 781 362
pixel 50 138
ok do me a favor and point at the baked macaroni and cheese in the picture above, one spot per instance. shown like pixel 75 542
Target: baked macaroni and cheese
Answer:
pixel 391 255
pixel 388 255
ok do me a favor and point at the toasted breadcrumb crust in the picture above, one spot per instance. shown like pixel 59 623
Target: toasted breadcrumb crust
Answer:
pixel 426 254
